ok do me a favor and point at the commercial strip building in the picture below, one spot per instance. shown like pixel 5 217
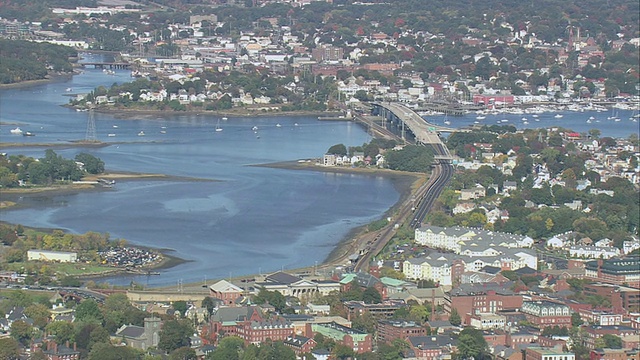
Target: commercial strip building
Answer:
pixel 48 255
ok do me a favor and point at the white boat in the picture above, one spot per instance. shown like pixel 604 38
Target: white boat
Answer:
pixel 163 131
pixel 218 128
pixel 255 128
pixel 504 120
pixel 558 116
pixel 278 125
pixel 115 126
pixel 141 133
pixel 535 115
pixel 16 131
pixel 295 124
pixel 588 121
pixel 524 119
pixel 447 122
pixel 525 122
pixel 68 89
pixel 111 135
pixel 476 122
pixel 225 118
pixel 480 117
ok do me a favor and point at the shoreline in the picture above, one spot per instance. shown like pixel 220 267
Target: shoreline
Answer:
pixel 126 114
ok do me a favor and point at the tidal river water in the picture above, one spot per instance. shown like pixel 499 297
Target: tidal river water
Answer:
pixel 250 220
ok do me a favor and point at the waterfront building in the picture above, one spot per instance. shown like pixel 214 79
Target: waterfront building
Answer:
pixel 290 285
pixel 48 255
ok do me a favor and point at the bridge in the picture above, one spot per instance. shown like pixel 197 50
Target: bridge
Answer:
pixel 406 119
pixel 110 65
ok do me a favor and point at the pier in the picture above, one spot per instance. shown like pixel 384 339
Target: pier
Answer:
pixel 104 65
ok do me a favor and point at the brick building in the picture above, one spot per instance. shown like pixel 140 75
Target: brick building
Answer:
pixel 623 298
pixel 386 309
pixel 431 347
pixel 327 53
pixel 541 353
pixel 61 352
pixel 615 271
pixel 596 332
pixel 249 324
pixel 225 291
pixel 360 342
pixel 389 330
pixel 546 313
pixel 300 344
pixel 614 354
pixel 474 299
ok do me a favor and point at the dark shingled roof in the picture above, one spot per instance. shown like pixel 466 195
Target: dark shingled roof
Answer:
pixel 131 331
pixel 430 342
pixel 282 278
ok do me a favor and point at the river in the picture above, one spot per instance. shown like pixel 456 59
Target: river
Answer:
pixel 243 219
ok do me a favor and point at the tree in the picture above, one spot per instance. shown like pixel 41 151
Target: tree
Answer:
pixel 612 341
pixel 180 307
pixel 371 296
pixel 338 149
pixel 62 330
pixel 39 313
pixel 209 304
pixel 92 164
pixel 175 334
pixel 88 309
pixel 342 352
pixel 9 349
pixel 21 331
pixel 106 351
pixel 183 353
pixel 454 317
pixel 576 320
pixel 471 344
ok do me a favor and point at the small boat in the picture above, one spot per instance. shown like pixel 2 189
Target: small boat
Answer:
pixel 295 124
pixel 28 133
pixel 504 120
pixel 111 135
pixel 480 117
pixel 525 122
pixel 535 115
pixel 16 131
pixel 68 89
pixel 141 133
pixel 524 119
pixel 255 128
pixel 224 118
pixel 115 126
pixel 588 121
pixel 616 119
pixel 447 122
pixel 218 128
pixel 558 116
pixel 278 125
pixel 257 136
pixel 476 122
pixel 163 131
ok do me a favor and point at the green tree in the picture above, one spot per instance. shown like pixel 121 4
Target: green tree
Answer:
pixel 342 352
pixel 175 334
pixel 62 330
pixel 371 296
pixel 183 353
pixel 338 149
pixel 9 348
pixel 88 309
pixel 612 341
pixel 106 351
pixel 454 317
pixel 21 331
pixel 92 164
pixel 39 313
pixel 576 320
pixel 471 344
pixel 180 307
